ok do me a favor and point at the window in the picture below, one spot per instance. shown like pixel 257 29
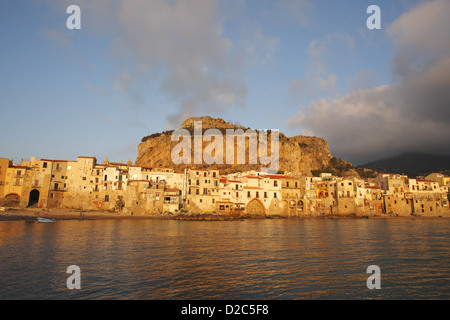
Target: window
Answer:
pixel 237 194
pixel 275 183
pixel 106 198
pixel 44 165
pixel 197 191
pixel 287 184
pixel 265 195
pixel 274 194
pixel 257 194
pixel 248 194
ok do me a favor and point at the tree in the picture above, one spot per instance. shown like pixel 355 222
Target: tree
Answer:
pixel 119 204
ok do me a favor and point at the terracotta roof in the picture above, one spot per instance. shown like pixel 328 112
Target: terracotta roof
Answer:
pixel 49 160
pixel 271 176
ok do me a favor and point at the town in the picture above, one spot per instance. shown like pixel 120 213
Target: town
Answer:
pixel 85 184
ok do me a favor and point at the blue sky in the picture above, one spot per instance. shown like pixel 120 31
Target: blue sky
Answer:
pixel 300 66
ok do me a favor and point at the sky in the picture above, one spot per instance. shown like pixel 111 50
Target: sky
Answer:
pixel 304 67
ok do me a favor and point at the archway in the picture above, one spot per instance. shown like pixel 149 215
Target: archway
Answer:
pixel 285 205
pixel 300 206
pixel 34 197
pixel 255 207
pixel 11 200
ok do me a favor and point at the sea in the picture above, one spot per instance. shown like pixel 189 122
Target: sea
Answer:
pixel 254 259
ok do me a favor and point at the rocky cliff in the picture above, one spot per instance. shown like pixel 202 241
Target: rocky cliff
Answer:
pixel 300 155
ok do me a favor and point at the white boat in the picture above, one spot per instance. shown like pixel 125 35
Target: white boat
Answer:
pixel 45 220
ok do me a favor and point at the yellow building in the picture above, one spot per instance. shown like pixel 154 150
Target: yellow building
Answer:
pixel 4 164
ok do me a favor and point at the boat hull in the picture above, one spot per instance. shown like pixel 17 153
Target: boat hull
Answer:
pixel 45 220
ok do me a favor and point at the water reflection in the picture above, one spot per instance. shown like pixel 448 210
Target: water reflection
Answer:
pixel 253 259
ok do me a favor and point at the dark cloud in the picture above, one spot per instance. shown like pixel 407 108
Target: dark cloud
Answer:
pixel 413 114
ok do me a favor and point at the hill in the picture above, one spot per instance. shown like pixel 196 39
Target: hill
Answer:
pixel 411 164
pixel 299 155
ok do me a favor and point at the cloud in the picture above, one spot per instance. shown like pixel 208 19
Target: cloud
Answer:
pixel 412 114
pixel 59 36
pixel 317 78
pixel 123 82
pixel 96 88
pixel 364 79
pixel 260 48
pixel 328 83
pixel 186 37
pixel 299 11
pixel 175 48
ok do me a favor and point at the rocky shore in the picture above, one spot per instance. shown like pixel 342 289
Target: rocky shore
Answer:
pixel 27 214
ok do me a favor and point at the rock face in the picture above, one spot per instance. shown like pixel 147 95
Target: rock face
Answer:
pixel 298 155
